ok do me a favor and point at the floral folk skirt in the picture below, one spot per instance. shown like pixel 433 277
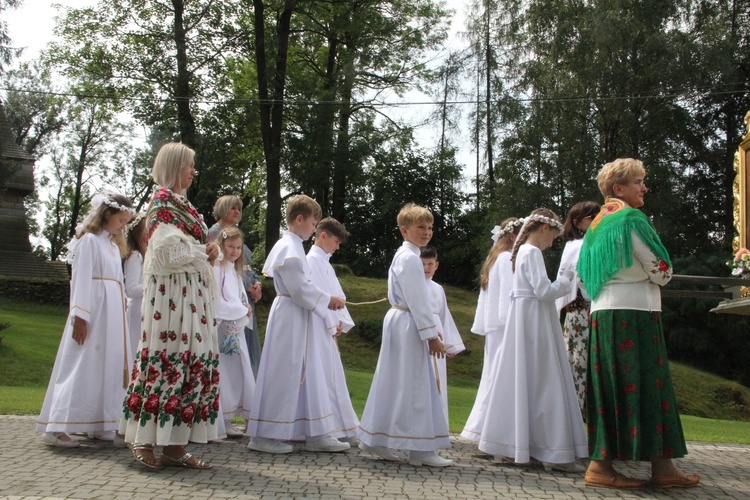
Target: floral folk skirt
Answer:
pixel 631 407
pixel 173 395
pixel 576 335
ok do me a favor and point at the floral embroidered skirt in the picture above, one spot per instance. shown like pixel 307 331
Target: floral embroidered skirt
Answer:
pixel 173 395
pixel 631 407
pixel 576 335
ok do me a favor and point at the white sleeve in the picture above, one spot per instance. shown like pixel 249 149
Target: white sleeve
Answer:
pixel 81 282
pixel 536 273
pixel 658 271
pixel 410 277
pixel 133 269
pixel 303 292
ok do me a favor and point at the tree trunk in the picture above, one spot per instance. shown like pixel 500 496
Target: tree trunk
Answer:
pixel 185 120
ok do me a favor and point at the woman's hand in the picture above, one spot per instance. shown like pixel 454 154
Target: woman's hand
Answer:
pixel 255 291
pixel 80 330
pixel 212 251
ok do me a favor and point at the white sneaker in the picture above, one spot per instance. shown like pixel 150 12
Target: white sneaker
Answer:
pixel 379 451
pixel 269 445
pixel 326 443
pixel 571 467
pixel 232 431
pixel 59 439
pixel 432 460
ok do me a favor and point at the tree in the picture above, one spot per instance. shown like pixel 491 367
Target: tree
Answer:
pixel 7 51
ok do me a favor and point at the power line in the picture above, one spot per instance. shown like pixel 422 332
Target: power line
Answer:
pixel 675 94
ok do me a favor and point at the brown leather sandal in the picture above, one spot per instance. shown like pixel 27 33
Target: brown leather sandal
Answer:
pixel 612 479
pixel 679 480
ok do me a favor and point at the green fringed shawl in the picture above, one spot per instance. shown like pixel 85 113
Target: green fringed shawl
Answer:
pixel 608 246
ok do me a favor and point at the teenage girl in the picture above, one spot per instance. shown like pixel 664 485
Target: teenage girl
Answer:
pixel 236 382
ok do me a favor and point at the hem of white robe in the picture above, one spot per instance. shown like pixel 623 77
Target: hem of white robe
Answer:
pixel 71 427
pixel 289 430
pixel 522 455
pixel 415 443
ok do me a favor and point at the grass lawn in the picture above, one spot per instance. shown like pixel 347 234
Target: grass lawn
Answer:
pixel 28 348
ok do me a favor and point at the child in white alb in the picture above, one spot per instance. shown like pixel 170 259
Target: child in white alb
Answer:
pixel 236 381
pixel 403 409
pixel 451 336
pixel 533 409
pixel 136 238
pixel 291 398
pixel 92 367
pixel 329 234
pixel 495 285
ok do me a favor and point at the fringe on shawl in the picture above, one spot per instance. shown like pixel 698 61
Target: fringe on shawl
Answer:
pixel 609 248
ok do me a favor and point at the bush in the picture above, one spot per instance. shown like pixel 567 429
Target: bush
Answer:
pixel 369 330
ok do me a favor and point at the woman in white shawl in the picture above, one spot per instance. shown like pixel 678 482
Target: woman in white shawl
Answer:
pixel 173 395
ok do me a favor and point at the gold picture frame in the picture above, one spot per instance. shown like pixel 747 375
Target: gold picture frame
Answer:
pixel 741 190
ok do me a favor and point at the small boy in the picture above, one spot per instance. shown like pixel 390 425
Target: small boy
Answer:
pixel 329 234
pixel 451 337
pixel 291 400
pixel 403 409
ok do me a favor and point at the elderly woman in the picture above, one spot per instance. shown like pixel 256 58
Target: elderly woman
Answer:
pixel 173 395
pixel 632 413
pixel 228 212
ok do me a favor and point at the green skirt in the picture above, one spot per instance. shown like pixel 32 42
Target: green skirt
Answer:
pixel 631 408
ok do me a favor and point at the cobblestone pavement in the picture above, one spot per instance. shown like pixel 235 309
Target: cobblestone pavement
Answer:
pixel 30 469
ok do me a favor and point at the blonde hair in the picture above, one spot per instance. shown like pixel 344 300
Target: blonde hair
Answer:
pixel 99 220
pixel 224 204
pixel 620 171
pixel 232 233
pixel 532 226
pixel 412 214
pixel 171 160
pixel 503 244
pixel 302 205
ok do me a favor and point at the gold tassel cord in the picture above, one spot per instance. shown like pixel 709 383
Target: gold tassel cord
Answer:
pixel 366 303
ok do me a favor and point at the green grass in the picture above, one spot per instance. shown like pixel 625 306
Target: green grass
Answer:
pixel 714 409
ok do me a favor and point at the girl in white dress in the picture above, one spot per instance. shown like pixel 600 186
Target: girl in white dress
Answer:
pixel 496 282
pixel 533 410
pixel 236 380
pixel 91 369
pixel 136 238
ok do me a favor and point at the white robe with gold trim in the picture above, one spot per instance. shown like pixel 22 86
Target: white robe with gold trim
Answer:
pixel 88 382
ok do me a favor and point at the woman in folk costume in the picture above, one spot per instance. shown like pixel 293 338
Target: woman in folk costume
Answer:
pixel 136 239
pixel 91 368
pixel 496 282
pixel 173 395
pixel 575 304
pixel 532 410
pixel 632 412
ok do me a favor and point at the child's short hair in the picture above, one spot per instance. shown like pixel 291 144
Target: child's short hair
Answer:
pixel 428 252
pixel 230 233
pixel 224 204
pixel 332 227
pixel 302 205
pixel 412 214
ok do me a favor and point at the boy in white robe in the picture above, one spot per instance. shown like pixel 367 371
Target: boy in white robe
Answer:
pixel 403 409
pixel 291 397
pixel 329 234
pixel 451 337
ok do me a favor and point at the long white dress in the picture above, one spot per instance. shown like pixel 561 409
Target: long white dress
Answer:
pixel 88 381
pixel 324 277
pixel 133 268
pixel 236 382
pixel 403 409
pixel 489 320
pixel 291 399
pixel 451 340
pixel 533 410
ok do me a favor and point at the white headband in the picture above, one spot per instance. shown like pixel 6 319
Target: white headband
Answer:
pixel 498 233
pixel 536 218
